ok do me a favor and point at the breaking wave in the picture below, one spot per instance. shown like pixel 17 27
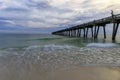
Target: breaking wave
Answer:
pixel 102 45
pixel 54 57
pixel 50 47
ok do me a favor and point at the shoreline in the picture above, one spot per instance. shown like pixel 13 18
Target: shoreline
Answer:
pixel 66 64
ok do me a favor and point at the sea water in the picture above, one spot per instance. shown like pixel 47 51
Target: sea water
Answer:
pixel 28 40
pixel 34 56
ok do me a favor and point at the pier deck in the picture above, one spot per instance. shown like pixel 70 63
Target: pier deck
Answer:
pixel 94 25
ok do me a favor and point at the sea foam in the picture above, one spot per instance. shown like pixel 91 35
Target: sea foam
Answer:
pixel 102 45
pixel 50 47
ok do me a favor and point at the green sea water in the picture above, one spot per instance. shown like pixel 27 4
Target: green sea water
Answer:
pixel 26 40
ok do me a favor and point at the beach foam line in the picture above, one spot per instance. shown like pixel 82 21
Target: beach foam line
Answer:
pixel 102 45
pixel 50 47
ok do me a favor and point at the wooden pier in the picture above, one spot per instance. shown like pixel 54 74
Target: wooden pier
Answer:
pixel 94 26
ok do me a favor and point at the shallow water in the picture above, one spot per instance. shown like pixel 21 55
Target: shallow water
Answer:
pixel 47 57
pixel 26 40
pixel 60 64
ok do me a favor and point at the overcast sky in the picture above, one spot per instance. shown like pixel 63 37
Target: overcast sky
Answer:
pixel 44 16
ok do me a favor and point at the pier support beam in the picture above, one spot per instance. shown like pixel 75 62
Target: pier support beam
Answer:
pixel 96 36
pixel 87 32
pixel 75 33
pixel 84 33
pixel 70 33
pixel 78 32
pixel 115 29
pixel 104 31
pixel 92 31
pixel 95 32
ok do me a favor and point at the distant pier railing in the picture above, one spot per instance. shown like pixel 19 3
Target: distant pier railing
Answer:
pixel 76 31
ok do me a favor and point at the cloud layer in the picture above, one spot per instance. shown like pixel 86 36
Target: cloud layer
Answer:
pixel 49 14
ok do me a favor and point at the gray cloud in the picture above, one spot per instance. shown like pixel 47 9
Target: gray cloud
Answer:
pixel 29 14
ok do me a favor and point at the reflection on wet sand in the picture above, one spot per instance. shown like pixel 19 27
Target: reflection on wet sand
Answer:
pixel 82 73
pixel 89 73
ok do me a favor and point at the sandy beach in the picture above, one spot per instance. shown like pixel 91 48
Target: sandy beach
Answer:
pixel 82 73
pixel 60 64
pixel 89 73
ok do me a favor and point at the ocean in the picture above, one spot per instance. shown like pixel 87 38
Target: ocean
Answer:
pixel 29 40
pixel 40 56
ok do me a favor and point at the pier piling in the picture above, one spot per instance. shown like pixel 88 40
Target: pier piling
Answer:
pixel 76 31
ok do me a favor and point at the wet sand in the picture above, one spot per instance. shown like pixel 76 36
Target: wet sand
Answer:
pixel 89 73
pixel 82 73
